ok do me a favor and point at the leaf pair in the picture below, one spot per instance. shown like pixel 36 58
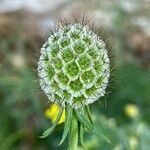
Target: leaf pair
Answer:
pixel 85 123
pixel 67 124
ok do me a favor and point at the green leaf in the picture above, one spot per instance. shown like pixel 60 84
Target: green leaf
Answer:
pixel 48 131
pixel 81 134
pixel 84 121
pixel 67 124
pixel 89 114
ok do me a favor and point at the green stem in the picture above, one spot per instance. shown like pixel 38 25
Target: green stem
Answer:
pixel 73 137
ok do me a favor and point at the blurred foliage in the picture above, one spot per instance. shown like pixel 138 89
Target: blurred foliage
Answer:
pixel 22 105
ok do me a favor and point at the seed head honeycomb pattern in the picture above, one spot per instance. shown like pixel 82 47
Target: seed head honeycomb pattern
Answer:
pixel 73 66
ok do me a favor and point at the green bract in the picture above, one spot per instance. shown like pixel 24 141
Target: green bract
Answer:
pixel 73 66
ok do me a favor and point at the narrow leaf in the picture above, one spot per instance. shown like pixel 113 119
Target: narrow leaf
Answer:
pixel 67 124
pixel 48 131
pixel 81 134
pixel 84 121
pixel 89 115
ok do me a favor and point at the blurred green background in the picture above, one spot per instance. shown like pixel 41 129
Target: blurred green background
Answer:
pixel 123 114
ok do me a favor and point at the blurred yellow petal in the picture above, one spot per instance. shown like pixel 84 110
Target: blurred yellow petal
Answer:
pixel 133 143
pixel 131 110
pixel 52 112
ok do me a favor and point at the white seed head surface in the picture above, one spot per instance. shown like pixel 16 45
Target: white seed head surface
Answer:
pixel 73 66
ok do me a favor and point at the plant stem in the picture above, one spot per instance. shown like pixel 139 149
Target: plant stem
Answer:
pixel 73 137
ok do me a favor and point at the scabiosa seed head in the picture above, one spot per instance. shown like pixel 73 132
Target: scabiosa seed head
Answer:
pixel 73 66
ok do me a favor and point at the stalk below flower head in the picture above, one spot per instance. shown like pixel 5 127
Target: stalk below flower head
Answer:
pixel 74 70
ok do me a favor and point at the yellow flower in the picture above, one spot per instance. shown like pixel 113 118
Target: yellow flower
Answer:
pixel 131 110
pixel 133 143
pixel 52 112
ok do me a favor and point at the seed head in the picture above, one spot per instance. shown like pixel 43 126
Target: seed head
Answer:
pixel 74 66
